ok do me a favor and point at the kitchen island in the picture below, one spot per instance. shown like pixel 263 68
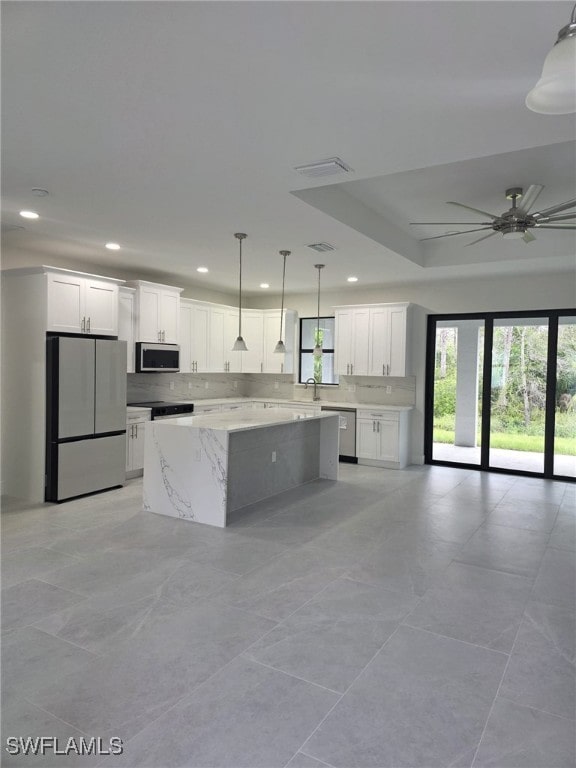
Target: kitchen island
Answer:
pixel 204 468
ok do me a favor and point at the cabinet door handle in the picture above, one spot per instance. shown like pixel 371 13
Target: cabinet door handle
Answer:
pixel 377 427
pixel 383 370
pixel 163 335
pixel 88 325
pixel 261 367
pixel 83 326
pixel 373 429
pixel 136 431
pixel 388 369
pixel 351 369
pixel 281 367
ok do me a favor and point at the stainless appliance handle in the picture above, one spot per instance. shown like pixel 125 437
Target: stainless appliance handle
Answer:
pixel 83 326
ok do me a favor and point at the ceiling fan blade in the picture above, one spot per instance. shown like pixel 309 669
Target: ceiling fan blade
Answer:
pixel 556 208
pixel 452 223
pixel 559 226
pixel 565 217
pixel 451 234
pixel 494 232
pixel 528 237
pixel 476 210
pixel 529 197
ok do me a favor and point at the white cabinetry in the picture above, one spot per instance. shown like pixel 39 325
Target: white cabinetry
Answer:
pixel 135 433
pixel 352 342
pixel 194 336
pixel 274 362
pixel 371 340
pixel 78 303
pixel 126 308
pixel 382 437
pixel 253 334
pixel 157 312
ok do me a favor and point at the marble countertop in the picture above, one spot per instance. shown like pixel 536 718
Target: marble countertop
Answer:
pixel 137 409
pixel 237 421
pixel 318 403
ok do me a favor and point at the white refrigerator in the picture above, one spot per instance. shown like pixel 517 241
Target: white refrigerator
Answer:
pixel 86 416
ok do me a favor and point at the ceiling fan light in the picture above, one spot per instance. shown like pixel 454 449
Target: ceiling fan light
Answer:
pixel 555 92
pixel 280 348
pixel 239 345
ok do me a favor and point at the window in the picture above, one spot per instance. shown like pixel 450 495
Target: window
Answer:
pixel 321 369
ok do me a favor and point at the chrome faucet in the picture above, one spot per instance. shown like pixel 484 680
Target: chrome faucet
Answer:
pixel 316 396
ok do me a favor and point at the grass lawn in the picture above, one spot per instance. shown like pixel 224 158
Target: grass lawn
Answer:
pixel 564 446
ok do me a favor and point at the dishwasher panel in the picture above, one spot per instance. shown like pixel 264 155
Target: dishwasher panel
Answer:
pixel 347 432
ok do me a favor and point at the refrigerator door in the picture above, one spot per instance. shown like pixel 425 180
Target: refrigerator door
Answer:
pixel 110 396
pixel 75 377
pixel 85 466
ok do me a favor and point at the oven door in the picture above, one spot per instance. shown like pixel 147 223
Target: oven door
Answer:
pixel 157 357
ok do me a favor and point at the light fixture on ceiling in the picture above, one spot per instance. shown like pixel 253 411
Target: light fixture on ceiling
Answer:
pixel 29 215
pixel 264 285
pixel 555 92
pixel 113 246
pixel 318 345
pixel 352 279
pixel 280 347
pixel 202 269
pixel 240 344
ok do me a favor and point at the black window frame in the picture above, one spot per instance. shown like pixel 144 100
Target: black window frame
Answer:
pixel 552 316
pixel 302 351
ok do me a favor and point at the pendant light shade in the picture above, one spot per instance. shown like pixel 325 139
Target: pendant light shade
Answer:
pixel 317 352
pixel 555 92
pixel 280 348
pixel 240 344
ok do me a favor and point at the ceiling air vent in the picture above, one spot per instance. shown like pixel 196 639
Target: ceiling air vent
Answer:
pixel 321 247
pixel 324 168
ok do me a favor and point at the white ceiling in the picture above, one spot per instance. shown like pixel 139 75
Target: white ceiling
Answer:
pixel 168 126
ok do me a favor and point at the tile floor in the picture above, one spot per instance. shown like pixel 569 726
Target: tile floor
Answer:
pixel 393 619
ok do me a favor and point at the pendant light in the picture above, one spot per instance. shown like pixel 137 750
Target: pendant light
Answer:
pixel 280 348
pixel 318 346
pixel 240 344
pixel 555 92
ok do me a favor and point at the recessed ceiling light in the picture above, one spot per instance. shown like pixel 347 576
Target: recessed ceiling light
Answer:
pixel 29 215
pixel 264 285
pixel 113 246
pixel 352 279
pixel 202 269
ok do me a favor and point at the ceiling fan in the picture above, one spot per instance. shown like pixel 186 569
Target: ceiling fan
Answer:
pixel 516 222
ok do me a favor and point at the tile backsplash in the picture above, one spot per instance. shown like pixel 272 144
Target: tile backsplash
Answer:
pixel 147 387
pixel 144 387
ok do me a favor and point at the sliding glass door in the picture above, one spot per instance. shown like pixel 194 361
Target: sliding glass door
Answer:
pixel 565 404
pixel 501 392
pixel 518 393
pixel 458 391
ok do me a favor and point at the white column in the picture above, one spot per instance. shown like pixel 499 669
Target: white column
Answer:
pixel 467 383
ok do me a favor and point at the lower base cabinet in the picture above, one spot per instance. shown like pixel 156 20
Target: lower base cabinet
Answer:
pixel 135 431
pixel 382 438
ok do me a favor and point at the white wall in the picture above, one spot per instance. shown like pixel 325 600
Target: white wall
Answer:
pixel 14 259
pixel 519 292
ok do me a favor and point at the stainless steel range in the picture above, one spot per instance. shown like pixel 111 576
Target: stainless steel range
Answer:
pixel 163 410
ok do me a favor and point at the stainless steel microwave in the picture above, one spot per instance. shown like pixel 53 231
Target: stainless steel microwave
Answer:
pixel 152 358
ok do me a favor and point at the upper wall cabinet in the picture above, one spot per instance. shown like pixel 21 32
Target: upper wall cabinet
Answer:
pixel 157 312
pixel 371 340
pixel 275 362
pixel 80 303
pixel 194 336
pixel 208 332
pixel 126 315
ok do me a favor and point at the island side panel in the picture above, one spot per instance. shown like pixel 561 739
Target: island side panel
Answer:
pixel 185 472
pixel 254 475
pixel 329 447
